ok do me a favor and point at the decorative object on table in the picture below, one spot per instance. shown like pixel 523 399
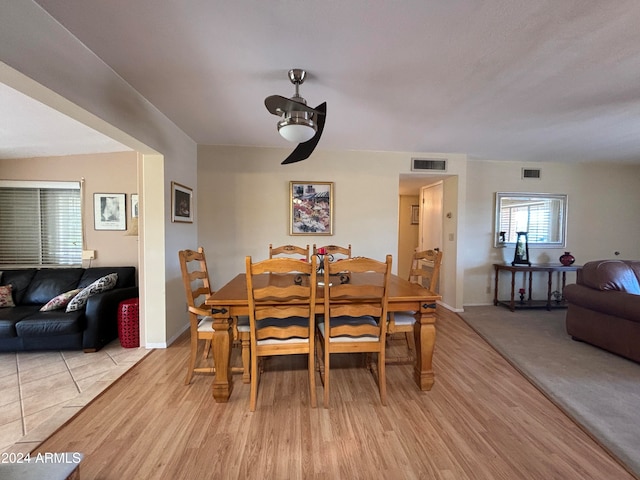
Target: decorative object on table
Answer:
pixel 311 208
pixel 109 211
pixel 322 255
pixel 521 254
pixel 299 123
pixel 521 292
pixel 567 259
pixel 415 214
pixel 181 203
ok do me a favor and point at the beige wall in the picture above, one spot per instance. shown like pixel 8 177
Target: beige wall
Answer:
pixel 408 234
pixel 243 203
pixel 103 173
pixel 604 201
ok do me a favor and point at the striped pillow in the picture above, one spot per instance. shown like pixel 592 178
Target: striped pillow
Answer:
pixel 101 285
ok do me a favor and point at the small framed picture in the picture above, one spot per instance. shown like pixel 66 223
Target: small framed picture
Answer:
pixel 109 211
pixel 415 214
pixel 134 205
pixel 181 203
pixel 311 208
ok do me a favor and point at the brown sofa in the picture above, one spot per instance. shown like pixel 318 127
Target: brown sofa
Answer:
pixel 604 306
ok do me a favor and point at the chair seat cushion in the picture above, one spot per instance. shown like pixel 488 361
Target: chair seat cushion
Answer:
pixel 404 318
pixel 243 324
pixel 345 320
pixel 283 323
pixel 206 324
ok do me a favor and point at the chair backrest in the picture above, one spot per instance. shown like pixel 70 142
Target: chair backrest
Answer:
pixel 425 269
pixel 289 250
pixel 195 276
pixel 333 250
pixel 351 295
pixel 281 288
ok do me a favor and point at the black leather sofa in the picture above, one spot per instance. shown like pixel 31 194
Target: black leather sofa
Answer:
pixel 25 327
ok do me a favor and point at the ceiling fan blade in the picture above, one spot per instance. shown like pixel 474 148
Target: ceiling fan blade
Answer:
pixel 304 150
pixel 277 105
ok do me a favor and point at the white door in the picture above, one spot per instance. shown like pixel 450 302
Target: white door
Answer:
pixel 431 200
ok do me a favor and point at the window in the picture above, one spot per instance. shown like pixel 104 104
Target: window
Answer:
pixel 40 224
pixel 542 216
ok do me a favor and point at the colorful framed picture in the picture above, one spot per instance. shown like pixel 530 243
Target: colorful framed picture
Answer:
pixel 109 211
pixel 181 203
pixel 311 208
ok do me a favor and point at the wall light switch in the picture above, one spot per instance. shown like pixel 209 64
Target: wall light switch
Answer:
pixel 88 254
pixel 451 237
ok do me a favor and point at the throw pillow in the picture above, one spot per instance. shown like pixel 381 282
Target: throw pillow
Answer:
pixel 101 285
pixel 60 301
pixel 6 299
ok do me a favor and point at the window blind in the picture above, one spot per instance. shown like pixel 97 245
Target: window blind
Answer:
pixel 530 217
pixel 40 224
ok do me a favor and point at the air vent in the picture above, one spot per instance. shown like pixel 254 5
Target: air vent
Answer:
pixel 531 173
pixel 431 164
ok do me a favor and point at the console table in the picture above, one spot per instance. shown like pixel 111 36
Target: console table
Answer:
pixel 528 302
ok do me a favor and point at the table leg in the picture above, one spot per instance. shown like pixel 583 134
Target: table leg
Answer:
pixel 221 345
pixel 512 305
pixel 549 286
pixel 495 289
pixel 424 333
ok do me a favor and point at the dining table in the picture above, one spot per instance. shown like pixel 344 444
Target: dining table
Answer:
pixel 231 301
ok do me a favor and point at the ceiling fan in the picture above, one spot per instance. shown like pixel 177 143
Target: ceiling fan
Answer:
pixel 299 124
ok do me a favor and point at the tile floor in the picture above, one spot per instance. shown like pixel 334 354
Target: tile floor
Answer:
pixel 40 391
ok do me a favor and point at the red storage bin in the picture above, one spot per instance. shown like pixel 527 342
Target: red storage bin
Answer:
pixel 128 323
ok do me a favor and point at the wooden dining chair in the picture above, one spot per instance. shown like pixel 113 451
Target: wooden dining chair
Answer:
pixel 334 250
pixel 282 305
pixel 355 315
pixel 289 250
pixel 195 277
pixel 425 271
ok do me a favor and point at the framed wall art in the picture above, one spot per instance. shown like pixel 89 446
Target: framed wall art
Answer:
pixel 134 205
pixel 415 214
pixel 181 203
pixel 311 208
pixel 109 211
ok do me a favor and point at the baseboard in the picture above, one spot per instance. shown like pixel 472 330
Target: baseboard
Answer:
pixel 169 341
pixel 476 305
pixel 449 307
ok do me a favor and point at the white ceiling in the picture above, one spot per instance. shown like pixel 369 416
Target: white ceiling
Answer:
pixel 33 129
pixel 554 80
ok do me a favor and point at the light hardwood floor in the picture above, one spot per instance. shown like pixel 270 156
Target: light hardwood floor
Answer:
pixel 481 420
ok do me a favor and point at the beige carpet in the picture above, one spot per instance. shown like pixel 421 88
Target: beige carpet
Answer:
pixel 599 390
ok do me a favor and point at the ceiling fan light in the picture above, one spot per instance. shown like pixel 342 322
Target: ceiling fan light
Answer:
pixel 297 129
